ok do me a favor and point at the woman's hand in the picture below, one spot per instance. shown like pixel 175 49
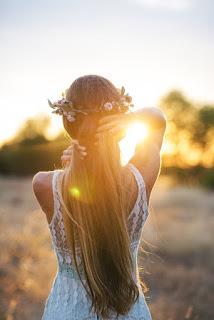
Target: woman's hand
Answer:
pixel 67 153
pixel 66 156
pixel 115 125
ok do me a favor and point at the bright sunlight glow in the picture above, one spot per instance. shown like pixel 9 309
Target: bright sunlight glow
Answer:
pixel 75 192
pixel 136 133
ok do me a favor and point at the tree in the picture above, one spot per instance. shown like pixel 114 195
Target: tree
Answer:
pixel 189 131
pixel 33 131
pixel 181 115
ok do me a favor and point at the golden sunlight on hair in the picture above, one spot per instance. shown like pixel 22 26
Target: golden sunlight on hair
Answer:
pixel 135 133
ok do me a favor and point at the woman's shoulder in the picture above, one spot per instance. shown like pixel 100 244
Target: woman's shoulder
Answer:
pixel 41 180
pixel 42 184
pixel 42 188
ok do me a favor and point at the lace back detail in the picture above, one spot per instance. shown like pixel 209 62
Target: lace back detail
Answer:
pixel 57 225
pixel 68 299
pixel 135 221
pixel 57 229
pixel 139 213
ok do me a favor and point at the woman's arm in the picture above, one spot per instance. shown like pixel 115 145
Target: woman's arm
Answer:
pixel 147 152
pixel 152 116
pixel 156 121
pixel 118 124
pixel 147 157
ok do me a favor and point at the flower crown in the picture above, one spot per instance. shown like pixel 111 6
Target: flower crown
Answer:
pixel 67 108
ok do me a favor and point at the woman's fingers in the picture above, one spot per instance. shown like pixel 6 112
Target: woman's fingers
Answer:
pixel 106 119
pixel 114 128
pixel 105 127
pixel 108 122
pixel 118 133
pixel 67 152
pixel 74 141
pixel 66 157
pixel 108 126
pixel 65 161
pixel 77 145
pixel 81 147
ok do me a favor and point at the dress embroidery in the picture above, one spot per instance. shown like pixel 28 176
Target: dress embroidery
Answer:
pixel 68 299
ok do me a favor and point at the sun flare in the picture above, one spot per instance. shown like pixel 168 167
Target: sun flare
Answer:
pixel 135 133
pixel 74 192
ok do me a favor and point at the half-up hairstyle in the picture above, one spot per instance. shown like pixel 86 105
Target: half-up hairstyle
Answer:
pixel 95 203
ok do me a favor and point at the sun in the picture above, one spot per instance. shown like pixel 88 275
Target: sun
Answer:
pixel 136 132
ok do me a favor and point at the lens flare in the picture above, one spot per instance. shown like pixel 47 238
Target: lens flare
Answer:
pixel 135 133
pixel 74 192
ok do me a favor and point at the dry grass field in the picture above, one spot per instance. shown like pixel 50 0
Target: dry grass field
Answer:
pixel 177 253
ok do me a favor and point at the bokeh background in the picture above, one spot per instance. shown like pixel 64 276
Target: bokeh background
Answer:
pixel 162 52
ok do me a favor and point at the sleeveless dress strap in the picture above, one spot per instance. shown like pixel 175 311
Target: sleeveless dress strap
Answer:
pixel 55 195
pixel 140 182
pixel 139 213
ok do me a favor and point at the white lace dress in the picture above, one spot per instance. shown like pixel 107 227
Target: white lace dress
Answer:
pixel 68 299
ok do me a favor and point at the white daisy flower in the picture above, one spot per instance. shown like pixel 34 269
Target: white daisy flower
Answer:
pixel 107 106
pixel 70 118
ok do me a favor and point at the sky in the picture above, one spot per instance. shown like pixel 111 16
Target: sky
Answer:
pixel 148 46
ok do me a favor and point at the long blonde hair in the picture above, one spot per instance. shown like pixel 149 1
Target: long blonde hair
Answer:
pixel 97 205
